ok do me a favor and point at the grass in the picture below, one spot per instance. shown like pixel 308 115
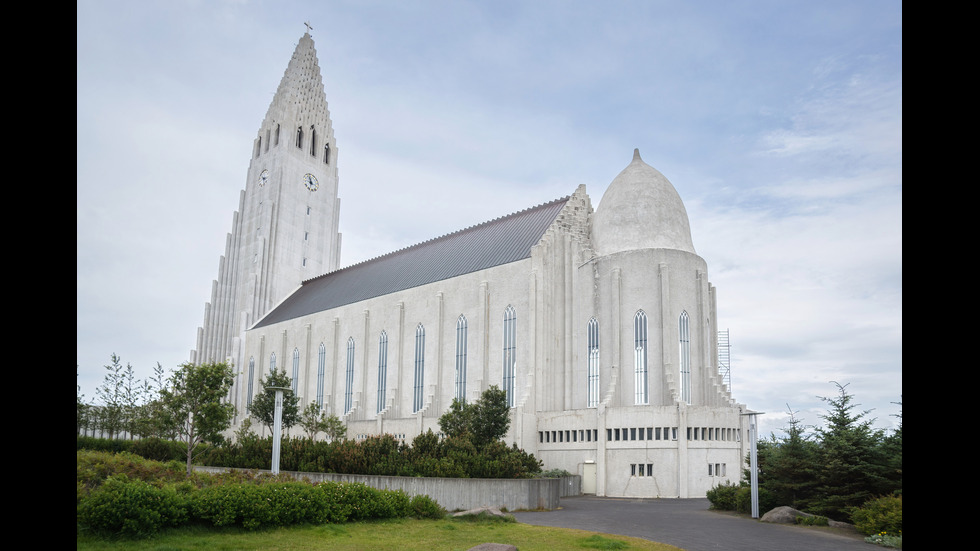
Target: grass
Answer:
pixel 401 535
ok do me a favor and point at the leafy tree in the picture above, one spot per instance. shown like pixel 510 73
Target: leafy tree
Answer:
pixel 263 406
pixel 111 410
pixel 194 400
pixel 334 428
pixel 82 409
pixel 314 420
pixel 457 421
pixel 491 417
pixel 148 418
pixel 483 422
pixel 851 463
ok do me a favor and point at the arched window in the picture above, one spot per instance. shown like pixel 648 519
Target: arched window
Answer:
pixel 593 381
pixel 461 359
pixel 299 137
pixel 251 377
pixel 382 369
pixel 349 379
pixel 321 365
pixel 684 331
pixel 313 141
pixel 417 391
pixel 326 153
pixel 510 353
pixel 295 371
pixel 641 393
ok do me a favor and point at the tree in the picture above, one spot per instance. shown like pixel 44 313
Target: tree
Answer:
pixel 315 420
pixel 457 421
pixel 491 417
pixel 263 405
pixel 81 408
pixel 195 395
pixel 110 393
pixel 790 466
pixel 851 464
pixel 483 423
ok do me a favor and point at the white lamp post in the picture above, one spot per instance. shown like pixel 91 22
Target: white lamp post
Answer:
pixel 277 426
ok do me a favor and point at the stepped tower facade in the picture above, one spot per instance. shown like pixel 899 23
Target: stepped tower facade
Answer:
pixel 286 228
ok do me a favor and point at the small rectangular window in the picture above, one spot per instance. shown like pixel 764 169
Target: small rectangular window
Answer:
pixel 649 469
pixel 633 469
pixel 633 435
pixel 658 433
pixel 617 433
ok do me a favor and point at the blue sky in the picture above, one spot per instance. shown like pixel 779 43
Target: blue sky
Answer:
pixel 779 123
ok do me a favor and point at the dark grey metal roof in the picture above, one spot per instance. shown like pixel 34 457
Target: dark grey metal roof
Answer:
pixel 500 241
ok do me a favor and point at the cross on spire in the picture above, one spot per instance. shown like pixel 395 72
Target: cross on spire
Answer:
pixel 308 27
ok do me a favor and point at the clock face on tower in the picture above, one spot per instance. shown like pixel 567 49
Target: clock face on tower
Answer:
pixel 310 181
pixel 264 178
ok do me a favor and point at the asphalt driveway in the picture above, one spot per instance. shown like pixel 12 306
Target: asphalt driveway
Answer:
pixel 690 525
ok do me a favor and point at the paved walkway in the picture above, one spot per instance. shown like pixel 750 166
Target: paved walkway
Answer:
pixel 690 525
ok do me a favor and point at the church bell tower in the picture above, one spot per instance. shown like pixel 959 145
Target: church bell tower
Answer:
pixel 286 228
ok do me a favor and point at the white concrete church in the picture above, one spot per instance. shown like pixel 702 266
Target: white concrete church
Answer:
pixel 600 324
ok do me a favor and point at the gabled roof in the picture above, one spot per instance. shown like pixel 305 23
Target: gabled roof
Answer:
pixel 500 241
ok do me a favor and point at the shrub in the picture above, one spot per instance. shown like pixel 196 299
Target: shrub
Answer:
pixel 423 506
pixel 158 449
pixel 743 500
pixel 722 497
pixel 131 508
pixel 881 515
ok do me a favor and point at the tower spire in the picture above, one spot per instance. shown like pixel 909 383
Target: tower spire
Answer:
pixel 287 227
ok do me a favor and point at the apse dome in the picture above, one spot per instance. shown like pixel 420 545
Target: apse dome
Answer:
pixel 640 210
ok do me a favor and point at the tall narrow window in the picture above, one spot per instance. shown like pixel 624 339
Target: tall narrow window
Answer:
pixel 258 147
pixel 251 377
pixel 510 353
pixel 349 379
pixel 267 139
pixel 277 135
pixel 593 382
pixel 641 395
pixel 299 137
pixel 313 141
pixel 461 359
pixel 326 153
pixel 272 362
pixel 684 327
pixel 295 371
pixel 321 365
pixel 382 369
pixel 417 391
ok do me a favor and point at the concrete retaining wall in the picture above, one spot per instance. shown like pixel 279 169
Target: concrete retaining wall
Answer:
pixel 459 493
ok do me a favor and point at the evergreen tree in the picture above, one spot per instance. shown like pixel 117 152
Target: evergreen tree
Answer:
pixel 892 450
pixel 791 466
pixel 851 463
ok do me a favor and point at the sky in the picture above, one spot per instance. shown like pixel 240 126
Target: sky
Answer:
pixel 779 122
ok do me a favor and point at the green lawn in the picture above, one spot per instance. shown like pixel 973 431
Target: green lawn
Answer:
pixel 400 535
